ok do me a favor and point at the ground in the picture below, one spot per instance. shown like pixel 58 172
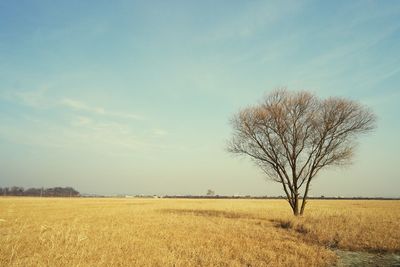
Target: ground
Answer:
pixel 188 232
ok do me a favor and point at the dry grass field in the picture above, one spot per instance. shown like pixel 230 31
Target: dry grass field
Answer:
pixel 170 232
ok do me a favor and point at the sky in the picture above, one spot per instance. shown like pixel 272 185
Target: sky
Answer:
pixel 135 97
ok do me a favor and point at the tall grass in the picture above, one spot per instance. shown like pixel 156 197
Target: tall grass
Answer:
pixel 168 232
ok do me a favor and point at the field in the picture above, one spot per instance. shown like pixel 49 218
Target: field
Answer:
pixel 187 232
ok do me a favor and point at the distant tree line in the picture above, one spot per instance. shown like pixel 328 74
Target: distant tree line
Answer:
pixel 39 192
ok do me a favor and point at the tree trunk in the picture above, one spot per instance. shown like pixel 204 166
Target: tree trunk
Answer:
pixel 303 205
pixel 296 205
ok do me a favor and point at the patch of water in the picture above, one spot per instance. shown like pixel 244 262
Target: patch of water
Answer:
pixel 365 259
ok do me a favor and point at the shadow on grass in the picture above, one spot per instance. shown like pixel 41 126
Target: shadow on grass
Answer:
pixel 307 235
pixel 212 213
pixel 290 225
pixel 284 224
pixel 138 203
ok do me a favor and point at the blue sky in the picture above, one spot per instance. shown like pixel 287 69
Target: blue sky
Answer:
pixel 135 97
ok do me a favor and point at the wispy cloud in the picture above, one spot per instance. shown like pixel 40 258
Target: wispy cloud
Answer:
pixel 80 133
pixel 76 125
pixel 32 98
pixel 39 99
pixel 253 19
pixel 160 132
pixel 81 106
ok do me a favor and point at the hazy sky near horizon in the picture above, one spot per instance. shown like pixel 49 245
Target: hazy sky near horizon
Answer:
pixel 135 96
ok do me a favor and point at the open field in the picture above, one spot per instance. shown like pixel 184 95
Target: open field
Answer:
pixel 170 232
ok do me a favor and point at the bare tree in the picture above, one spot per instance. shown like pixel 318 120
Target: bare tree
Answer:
pixel 210 193
pixel 291 136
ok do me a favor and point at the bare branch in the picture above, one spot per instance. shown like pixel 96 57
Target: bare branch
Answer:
pixel 291 136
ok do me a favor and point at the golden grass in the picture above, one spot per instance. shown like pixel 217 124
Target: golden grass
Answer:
pixel 169 232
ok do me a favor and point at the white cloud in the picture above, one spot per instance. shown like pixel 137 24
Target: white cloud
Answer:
pixel 78 105
pixel 160 132
pixel 81 121
pixel 32 98
pixel 253 19
pixel 78 134
pixel 76 125
pixel 39 100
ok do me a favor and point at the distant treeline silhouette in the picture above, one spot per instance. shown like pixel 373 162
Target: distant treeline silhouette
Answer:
pixel 38 192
